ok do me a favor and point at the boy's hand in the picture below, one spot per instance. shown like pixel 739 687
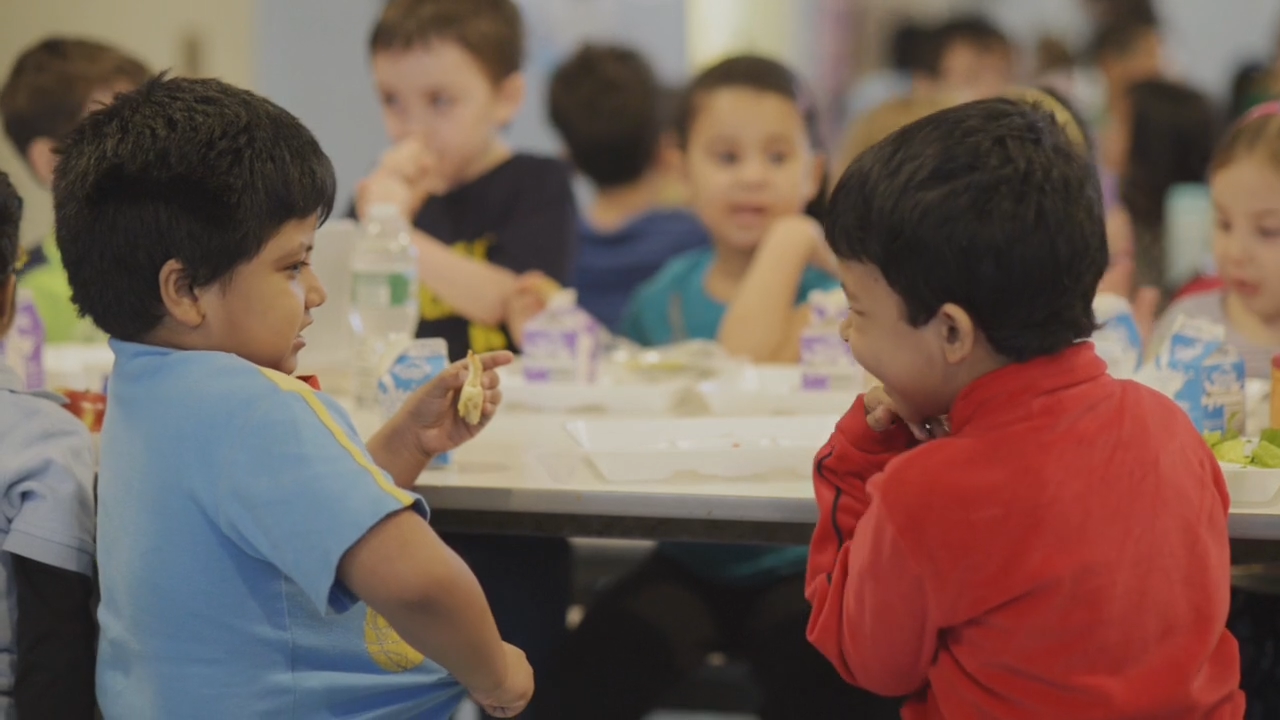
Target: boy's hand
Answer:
pixel 882 415
pixel 405 177
pixel 431 413
pixel 806 235
pixel 511 697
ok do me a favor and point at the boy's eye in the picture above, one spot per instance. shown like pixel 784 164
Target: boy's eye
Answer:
pixel 440 102
pixel 779 158
pixel 726 157
pixel 1269 233
pixel 296 268
pixel 389 100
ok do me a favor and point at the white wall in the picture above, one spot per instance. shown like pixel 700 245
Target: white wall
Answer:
pixel 312 59
pixel 156 31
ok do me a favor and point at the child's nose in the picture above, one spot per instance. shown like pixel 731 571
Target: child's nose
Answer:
pixel 315 294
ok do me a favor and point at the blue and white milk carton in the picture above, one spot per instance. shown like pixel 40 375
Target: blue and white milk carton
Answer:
pixel 826 362
pixel 1117 339
pixel 562 344
pixel 1203 374
pixel 23 347
pixel 407 369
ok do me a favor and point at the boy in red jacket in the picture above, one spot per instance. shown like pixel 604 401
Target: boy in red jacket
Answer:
pixel 1006 531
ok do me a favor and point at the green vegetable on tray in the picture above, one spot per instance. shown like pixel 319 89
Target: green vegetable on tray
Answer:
pixel 1230 448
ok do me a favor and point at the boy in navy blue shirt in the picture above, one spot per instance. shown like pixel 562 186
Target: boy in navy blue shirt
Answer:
pixel 46 532
pixel 605 103
pixel 448 76
pixel 258 560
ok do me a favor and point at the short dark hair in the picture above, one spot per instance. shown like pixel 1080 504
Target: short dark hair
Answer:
pixel 604 103
pixel 197 171
pixel 50 84
pixel 967 29
pixel 10 219
pixel 986 205
pixel 491 30
pixel 753 72
pixel 1172 137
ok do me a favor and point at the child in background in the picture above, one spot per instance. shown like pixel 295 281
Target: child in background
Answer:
pixel 605 104
pixel 971 59
pixel 1127 51
pixel 54 84
pixel 448 74
pixel 257 559
pixel 1162 136
pixel 46 532
pixel 751 155
pixel 749 142
pixel 951 561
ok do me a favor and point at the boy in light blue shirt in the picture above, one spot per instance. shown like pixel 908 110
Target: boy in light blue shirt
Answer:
pixel 46 532
pixel 258 560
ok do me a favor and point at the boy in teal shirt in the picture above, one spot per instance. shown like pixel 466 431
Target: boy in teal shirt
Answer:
pixel 257 559
pixel 52 86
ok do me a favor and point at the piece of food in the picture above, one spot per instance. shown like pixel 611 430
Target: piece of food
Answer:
pixel 1233 451
pixel 1266 455
pixel 471 398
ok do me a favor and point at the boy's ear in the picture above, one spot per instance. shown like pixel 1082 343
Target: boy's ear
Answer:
pixel 42 159
pixel 510 94
pixel 8 302
pixel 958 333
pixel 179 296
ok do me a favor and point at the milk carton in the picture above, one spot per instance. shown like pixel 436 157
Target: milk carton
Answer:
pixel 1203 374
pixel 1117 340
pixel 826 363
pixel 407 368
pixel 23 347
pixel 562 344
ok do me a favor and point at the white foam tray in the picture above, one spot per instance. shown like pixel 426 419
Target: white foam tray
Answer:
pixel 1251 487
pixel 771 390
pixel 647 450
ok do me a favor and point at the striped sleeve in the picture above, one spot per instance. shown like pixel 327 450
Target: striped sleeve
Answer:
pixel 300 489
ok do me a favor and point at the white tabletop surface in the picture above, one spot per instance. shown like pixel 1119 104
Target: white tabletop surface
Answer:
pixel 527 462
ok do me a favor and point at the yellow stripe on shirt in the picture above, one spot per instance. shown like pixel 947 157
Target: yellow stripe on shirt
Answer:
pixel 294 385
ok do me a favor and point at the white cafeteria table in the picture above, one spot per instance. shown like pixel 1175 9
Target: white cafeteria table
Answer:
pixel 525 474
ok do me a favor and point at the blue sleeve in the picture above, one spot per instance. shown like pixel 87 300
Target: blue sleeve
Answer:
pixel 49 498
pixel 300 489
pixel 631 326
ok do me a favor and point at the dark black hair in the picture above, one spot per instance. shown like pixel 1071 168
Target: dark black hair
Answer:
pixel 986 205
pixel 1171 142
pixel 909 49
pixel 10 219
pixel 754 73
pixel 193 170
pixel 971 29
pixel 605 103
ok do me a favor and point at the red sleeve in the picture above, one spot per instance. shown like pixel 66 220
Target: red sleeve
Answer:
pixel 854 453
pixel 870 613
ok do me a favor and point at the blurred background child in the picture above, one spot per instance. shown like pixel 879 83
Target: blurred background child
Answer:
pixel 54 84
pixel 606 104
pixel 753 162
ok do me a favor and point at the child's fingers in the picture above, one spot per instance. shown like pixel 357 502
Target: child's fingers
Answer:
pixel 490 380
pixel 881 418
pixel 492 400
pixel 495 360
